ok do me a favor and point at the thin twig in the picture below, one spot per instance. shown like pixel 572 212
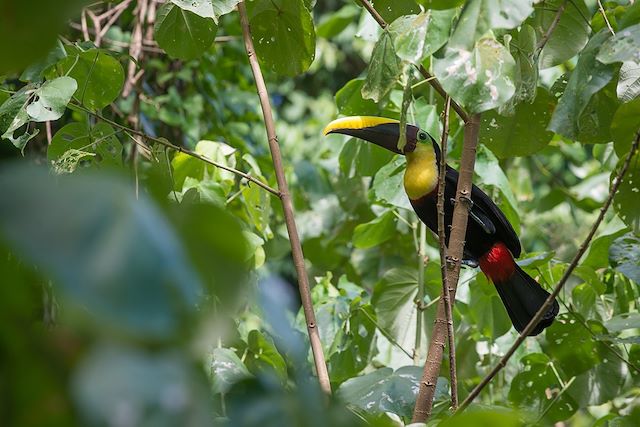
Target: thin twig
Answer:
pixel 574 263
pixel 421 249
pixel 433 81
pixel 135 48
pixel 287 206
pixel 446 291
pixel 178 148
pixel 426 393
pixel 556 19
pixel 606 20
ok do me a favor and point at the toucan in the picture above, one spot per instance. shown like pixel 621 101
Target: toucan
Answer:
pixel 490 240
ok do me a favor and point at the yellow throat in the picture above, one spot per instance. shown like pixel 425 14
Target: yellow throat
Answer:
pixel 421 175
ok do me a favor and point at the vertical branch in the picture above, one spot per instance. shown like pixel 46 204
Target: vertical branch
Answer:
pixel 606 20
pixel 574 263
pixel 446 289
pixel 287 206
pixel 422 243
pixel 424 402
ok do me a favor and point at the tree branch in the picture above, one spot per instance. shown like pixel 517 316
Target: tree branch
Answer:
pixel 429 78
pixel 443 256
pixel 186 151
pixel 574 263
pixel 424 401
pixel 287 206
pixel 556 19
pixel 606 20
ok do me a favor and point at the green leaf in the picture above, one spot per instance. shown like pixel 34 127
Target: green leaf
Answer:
pixel 13 112
pixel 570 345
pixel 598 253
pixel 29 29
pixel 623 322
pixel 350 102
pixel 440 4
pixel 100 77
pixel 585 81
pixel 99 142
pixel 388 184
pixel 480 79
pixel 283 34
pixel 486 310
pixel 523 134
pixel 383 71
pixel 629 81
pixel 415 37
pixel 625 202
pixel 226 369
pixel 52 99
pixel 375 232
pixel 537 389
pixel 208 8
pixel 369 158
pixel 624 46
pixel 625 125
pixel 479 17
pixel 182 33
pixel 484 417
pixel 570 35
pixel 112 256
pixel 390 10
pixel 263 357
pixel 337 21
pixel 523 50
pixel 387 391
pixel 624 255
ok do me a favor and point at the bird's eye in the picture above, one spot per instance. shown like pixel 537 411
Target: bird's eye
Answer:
pixel 422 136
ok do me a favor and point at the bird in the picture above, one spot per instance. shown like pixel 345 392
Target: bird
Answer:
pixel 490 240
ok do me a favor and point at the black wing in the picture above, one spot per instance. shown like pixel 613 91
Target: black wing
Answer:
pixel 487 215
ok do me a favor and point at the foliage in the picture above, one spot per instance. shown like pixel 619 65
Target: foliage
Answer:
pixel 144 286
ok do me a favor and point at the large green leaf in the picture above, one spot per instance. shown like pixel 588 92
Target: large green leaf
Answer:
pixel 226 369
pixel 52 99
pixel 384 69
pixel 570 34
pixel 114 257
pixel 486 310
pixel 589 77
pixel 388 184
pixel 523 50
pixel 570 346
pixel 481 16
pixel 480 79
pixel 625 126
pixel 263 357
pixel 415 37
pixel 387 391
pixel 523 134
pixel 350 102
pixel 13 115
pixel 624 255
pixel 629 81
pixel 440 4
pixel 208 8
pixel 183 34
pixel 623 322
pixel 624 46
pixel 283 34
pixel 625 202
pixel 100 76
pixel 484 417
pixel 335 23
pixel 375 232
pixel 390 10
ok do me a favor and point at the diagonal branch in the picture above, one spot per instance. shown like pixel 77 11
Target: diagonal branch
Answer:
pixel 426 393
pixel 556 19
pixel 446 289
pixel 178 148
pixel 429 78
pixel 574 263
pixel 287 206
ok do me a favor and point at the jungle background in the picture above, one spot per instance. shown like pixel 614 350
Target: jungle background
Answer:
pixel 142 283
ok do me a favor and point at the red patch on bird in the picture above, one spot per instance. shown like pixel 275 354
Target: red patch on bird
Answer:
pixel 498 264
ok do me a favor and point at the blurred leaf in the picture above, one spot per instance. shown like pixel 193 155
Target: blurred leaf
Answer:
pixel 99 76
pixel 622 322
pixel 114 257
pixel 624 255
pixel 51 99
pixel 384 69
pixel 523 50
pixel 629 81
pixel 625 202
pixel 350 101
pixel 98 141
pixel 226 369
pixel 486 310
pixel 29 28
pixel 387 391
pixel 598 252
pixel 624 46
pixel 141 388
pixel 182 33
pixel 369 158
pixel 390 10
pixel 415 37
pixel 523 134
pixel 13 115
pixel 585 81
pixel 375 232
pixel 337 21
pixel 481 78
pixel 283 34
pixel 388 184
pixel 440 4
pixel 570 346
pixel 208 8
pixel 478 17
pixel 569 36
pixel 484 417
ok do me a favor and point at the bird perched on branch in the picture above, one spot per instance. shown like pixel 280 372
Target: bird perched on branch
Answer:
pixel 490 240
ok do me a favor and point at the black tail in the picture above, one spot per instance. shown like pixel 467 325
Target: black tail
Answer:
pixel 523 296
